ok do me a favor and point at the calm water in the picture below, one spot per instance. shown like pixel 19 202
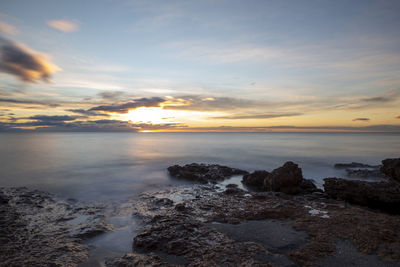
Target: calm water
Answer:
pixel 91 166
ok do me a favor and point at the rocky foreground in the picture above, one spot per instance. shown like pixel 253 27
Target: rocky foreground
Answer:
pixel 281 220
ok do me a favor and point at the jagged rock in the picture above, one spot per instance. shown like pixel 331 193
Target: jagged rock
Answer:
pixel 233 189
pixel 203 173
pixel 354 165
pixel 255 179
pixel 391 167
pixel 286 179
pixel 380 195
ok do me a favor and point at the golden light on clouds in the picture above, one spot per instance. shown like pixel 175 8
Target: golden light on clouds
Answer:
pixel 64 25
pixel 7 28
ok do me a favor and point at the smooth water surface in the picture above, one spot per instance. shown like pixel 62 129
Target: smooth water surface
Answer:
pixel 92 166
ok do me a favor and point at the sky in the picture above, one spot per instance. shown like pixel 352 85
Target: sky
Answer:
pixel 209 65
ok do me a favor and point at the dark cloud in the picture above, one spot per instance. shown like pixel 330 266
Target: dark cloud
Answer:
pixel 26 64
pixel 258 116
pixel 125 107
pixel 111 95
pixel 360 119
pixel 53 118
pixel 87 126
pixel 381 99
pixel 87 112
pixel 29 102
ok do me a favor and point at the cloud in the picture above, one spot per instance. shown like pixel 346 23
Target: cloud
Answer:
pixel 125 107
pixel 53 118
pixel 380 99
pixel 28 102
pixel 64 25
pixel 361 119
pixel 258 116
pixel 111 95
pixel 7 28
pixel 203 103
pixel 26 64
pixel 87 112
pixel 59 125
pixel 397 117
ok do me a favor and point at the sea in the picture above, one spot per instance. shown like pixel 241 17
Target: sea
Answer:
pixel 101 166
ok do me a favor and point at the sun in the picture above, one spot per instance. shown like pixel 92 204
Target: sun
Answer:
pixel 154 115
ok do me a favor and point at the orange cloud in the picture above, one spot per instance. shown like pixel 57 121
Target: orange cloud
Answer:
pixel 25 63
pixel 63 25
pixel 7 28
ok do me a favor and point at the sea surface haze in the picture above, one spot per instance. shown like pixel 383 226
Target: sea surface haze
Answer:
pixel 94 166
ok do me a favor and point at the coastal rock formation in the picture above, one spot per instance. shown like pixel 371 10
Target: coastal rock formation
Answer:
pixel 203 173
pixel 255 179
pixel 259 229
pixel 391 167
pixel 286 179
pixel 380 195
pixel 37 229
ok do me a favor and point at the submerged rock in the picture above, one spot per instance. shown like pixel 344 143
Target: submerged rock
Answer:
pixel 391 167
pixel 380 195
pixel 363 173
pixel 204 173
pixel 354 165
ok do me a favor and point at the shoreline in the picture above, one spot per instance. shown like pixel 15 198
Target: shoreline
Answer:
pixel 199 224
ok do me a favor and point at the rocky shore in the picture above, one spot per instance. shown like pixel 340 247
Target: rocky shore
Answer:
pixel 278 218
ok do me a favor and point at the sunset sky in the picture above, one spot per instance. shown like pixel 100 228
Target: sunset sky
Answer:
pixel 205 65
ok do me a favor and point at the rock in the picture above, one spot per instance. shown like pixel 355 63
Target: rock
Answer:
pixel 133 259
pixel 354 165
pixel 363 173
pixel 180 207
pixel 391 167
pixel 163 202
pixel 286 179
pixel 381 195
pixel 203 173
pixel 255 179
pixel 307 186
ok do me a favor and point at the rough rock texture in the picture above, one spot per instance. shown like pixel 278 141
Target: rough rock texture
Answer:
pixel 354 165
pixel 137 260
pixel 391 167
pixel 307 186
pixel 255 179
pixel 192 234
pixel 37 229
pixel 203 173
pixel 285 179
pixel 380 195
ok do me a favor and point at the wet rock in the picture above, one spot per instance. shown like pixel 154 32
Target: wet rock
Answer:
pixel 307 186
pixel 363 173
pixel 286 179
pixel 233 189
pixel 391 167
pixel 354 165
pixel 180 207
pixel 163 201
pixel 135 260
pixel 203 173
pixel 380 195
pixel 255 179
